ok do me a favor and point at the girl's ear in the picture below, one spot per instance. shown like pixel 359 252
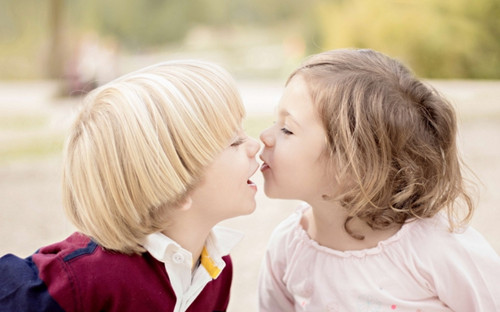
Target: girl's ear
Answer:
pixel 186 205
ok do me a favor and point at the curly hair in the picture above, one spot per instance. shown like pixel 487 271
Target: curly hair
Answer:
pixel 392 137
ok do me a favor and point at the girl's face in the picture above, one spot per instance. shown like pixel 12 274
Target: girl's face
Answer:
pixel 295 166
pixel 226 189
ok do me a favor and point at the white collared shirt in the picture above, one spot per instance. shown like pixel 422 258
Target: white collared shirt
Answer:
pixel 178 262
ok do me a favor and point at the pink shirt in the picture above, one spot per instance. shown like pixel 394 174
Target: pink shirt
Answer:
pixel 423 267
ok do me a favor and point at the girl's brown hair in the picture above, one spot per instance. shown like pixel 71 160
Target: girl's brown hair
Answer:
pixel 390 135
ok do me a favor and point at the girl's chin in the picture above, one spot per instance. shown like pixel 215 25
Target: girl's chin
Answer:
pixel 272 192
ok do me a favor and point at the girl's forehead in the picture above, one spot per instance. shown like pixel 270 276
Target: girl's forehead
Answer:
pixel 297 106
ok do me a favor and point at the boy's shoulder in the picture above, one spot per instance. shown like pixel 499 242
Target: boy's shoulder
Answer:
pixel 74 246
pixel 66 275
pixel 78 272
pixel 83 259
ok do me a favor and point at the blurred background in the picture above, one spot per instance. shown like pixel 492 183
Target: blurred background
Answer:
pixel 54 51
pixel 92 41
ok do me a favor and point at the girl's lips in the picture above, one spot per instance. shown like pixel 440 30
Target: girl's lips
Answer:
pixel 264 167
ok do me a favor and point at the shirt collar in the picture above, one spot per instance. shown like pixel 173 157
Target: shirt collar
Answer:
pixel 219 243
pixel 186 284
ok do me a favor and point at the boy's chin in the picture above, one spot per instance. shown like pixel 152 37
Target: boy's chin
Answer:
pixel 246 212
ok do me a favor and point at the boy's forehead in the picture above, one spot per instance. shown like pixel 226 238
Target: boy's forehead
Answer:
pixel 238 130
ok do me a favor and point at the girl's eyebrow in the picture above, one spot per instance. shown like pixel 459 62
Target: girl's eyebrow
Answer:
pixel 289 116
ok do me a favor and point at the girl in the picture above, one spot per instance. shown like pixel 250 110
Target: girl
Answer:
pixel 153 162
pixel 372 152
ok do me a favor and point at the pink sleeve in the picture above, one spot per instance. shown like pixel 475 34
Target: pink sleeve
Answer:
pixel 273 293
pixel 466 275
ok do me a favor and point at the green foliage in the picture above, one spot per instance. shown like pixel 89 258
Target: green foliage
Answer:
pixel 20 34
pixel 143 23
pixel 35 148
pixel 438 39
pixel 22 122
pixel 138 23
pixel 25 136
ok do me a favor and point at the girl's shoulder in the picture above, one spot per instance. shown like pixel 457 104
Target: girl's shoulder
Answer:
pixel 434 238
pixel 421 238
pixel 284 236
pixel 291 224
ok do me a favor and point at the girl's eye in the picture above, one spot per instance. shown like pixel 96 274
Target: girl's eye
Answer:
pixel 286 131
pixel 238 142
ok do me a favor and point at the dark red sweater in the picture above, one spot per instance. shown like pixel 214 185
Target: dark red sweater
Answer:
pixel 78 275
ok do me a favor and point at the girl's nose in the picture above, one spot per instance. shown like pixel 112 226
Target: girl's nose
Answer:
pixel 267 138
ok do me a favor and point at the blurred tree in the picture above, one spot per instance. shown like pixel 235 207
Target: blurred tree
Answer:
pixel 438 39
pixel 138 23
pixel 156 22
pixel 56 54
pixel 23 38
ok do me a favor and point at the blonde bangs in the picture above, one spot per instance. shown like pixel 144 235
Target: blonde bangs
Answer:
pixel 141 143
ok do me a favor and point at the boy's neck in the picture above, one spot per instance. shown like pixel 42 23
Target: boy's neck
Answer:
pixel 191 235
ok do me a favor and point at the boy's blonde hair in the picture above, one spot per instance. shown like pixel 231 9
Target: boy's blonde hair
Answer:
pixel 141 143
pixel 390 135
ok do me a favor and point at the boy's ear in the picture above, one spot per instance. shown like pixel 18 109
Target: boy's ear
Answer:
pixel 186 205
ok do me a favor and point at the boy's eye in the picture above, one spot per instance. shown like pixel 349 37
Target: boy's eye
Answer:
pixel 238 142
pixel 286 131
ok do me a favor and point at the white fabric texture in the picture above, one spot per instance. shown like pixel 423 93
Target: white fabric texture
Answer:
pixel 423 267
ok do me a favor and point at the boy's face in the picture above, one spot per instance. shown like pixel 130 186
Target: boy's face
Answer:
pixel 295 166
pixel 226 190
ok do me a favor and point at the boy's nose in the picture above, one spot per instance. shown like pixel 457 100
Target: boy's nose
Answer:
pixel 254 146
